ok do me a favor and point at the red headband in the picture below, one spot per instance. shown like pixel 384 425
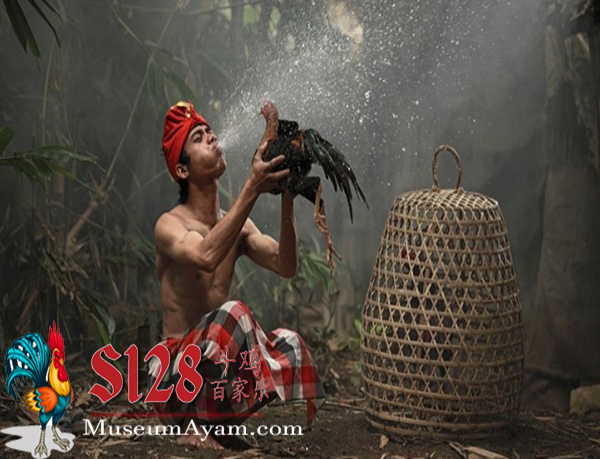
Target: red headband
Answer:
pixel 180 118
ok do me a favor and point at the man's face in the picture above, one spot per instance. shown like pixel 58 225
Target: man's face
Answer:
pixel 207 159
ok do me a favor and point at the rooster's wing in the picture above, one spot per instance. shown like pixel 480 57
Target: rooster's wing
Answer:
pixel 41 399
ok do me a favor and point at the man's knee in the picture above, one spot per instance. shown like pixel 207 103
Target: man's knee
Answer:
pixel 237 309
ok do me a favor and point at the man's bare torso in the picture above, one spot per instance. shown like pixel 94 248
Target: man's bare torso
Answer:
pixel 187 292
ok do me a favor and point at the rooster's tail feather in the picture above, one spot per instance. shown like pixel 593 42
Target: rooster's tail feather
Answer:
pixel 28 357
pixel 335 166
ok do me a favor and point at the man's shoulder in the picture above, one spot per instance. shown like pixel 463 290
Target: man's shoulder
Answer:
pixel 169 218
pixel 177 212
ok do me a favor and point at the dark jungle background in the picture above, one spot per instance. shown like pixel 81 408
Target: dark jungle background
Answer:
pixel 84 86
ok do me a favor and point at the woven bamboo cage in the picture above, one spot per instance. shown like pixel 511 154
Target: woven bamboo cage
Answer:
pixel 442 340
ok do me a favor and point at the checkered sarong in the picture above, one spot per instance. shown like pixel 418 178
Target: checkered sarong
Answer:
pixel 262 366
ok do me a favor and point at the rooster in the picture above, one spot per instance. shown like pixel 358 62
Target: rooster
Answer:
pixel 302 148
pixel 30 358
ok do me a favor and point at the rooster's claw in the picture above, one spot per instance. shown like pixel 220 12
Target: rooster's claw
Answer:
pixel 41 449
pixel 63 443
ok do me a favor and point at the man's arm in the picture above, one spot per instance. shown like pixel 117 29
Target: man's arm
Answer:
pixel 189 247
pixel 282 257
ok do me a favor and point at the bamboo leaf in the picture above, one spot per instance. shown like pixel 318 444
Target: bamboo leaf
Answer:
pixel 23 166
pixel 9 6
pixel 6 135
pixel 61 154
pixel 42 166
pixel 50 7
pixel 62 170
pixel 358 326
pixel 21 27
pixel 107 320
pixel 45 18
pixel 39 164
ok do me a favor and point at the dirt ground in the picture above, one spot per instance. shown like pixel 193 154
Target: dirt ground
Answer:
pixel 340 431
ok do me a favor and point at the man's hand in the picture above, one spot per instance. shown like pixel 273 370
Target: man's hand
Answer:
pixel 262 178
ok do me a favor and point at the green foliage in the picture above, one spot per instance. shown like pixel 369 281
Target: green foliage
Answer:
pixel 21 26
pixel 313 271
pixel 321 338
pixel 6 135
pixel 353 343
pixel 106 97
pixel 39 164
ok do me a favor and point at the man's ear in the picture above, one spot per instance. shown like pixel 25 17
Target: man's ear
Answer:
pixel 182 172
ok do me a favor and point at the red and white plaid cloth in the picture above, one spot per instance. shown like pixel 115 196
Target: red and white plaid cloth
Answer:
pixel 262 366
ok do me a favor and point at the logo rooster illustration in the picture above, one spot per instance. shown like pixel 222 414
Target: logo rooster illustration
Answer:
pixel 30 358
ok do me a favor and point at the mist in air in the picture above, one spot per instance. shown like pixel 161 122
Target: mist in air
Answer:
pixel 385 82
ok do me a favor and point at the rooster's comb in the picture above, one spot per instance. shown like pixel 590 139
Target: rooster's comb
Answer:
pixel 268 108
pixel 55 340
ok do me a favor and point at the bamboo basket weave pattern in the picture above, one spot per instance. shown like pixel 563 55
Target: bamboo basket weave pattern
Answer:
pixel 442 342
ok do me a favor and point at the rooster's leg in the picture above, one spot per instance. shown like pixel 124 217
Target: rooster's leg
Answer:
pixel 63 443
pixel 320 219
pixel 311 188
pixel 41 449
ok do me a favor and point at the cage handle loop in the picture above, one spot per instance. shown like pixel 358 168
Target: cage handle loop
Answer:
pixel 436 186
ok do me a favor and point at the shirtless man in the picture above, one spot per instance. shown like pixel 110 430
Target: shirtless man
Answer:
pixel 198 243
